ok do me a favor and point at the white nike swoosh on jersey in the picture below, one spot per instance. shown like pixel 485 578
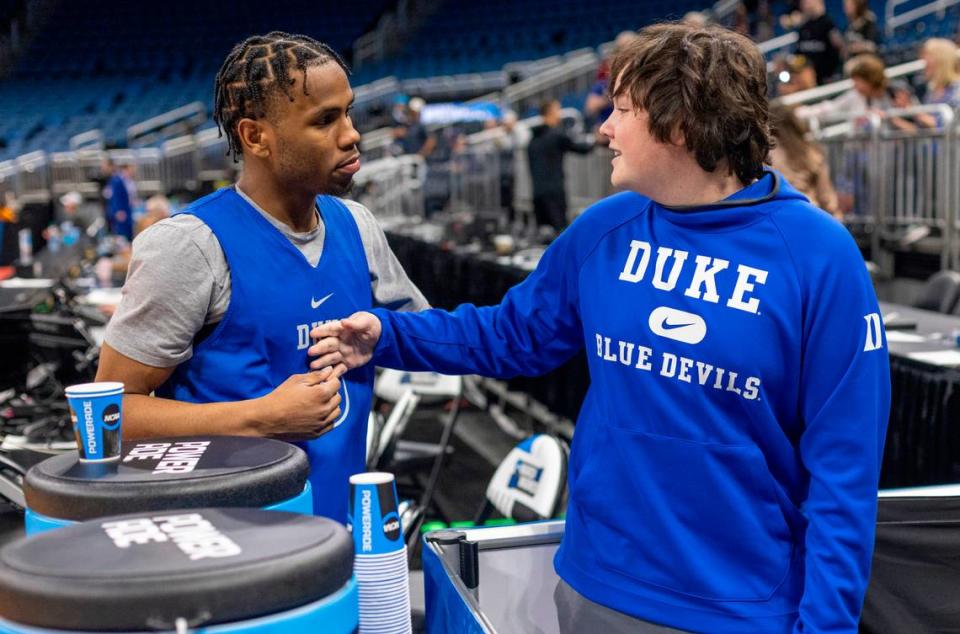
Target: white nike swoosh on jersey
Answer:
pixel 315 303
pixel 678 325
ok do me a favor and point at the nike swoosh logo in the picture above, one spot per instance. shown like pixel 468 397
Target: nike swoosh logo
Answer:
pixel 678 325
pixel 315 303
pixel 666 325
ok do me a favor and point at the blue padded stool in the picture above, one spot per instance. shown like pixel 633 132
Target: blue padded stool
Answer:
pixel 236 570
pixel 167 473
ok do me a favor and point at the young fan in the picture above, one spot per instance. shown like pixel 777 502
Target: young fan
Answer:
pixel 724 470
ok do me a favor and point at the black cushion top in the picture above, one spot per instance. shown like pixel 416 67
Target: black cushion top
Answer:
pixel 168 473
pixel 209 566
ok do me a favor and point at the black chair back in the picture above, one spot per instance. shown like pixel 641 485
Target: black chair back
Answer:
pixel 940 292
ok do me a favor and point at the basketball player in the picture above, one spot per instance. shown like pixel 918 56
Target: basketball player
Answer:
pixel 220 299
pixel 725 465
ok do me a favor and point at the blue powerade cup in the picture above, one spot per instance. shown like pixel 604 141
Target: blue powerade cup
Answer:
pixel 95 410
pixel 168 473
pixel 373 514
pixel 224 570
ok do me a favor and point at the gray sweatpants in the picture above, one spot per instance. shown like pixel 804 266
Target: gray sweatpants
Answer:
pixel 579 615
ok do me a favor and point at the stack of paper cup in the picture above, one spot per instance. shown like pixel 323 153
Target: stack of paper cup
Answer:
pixel 380 564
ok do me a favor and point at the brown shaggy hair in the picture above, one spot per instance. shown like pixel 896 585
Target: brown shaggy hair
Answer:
pixel 708 85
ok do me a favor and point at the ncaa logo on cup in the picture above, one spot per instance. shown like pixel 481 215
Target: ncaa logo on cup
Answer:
pixel 391 527
pixel 111 416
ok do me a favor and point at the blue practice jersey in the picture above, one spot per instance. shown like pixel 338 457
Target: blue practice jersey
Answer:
pixel 725 464
pixel 276 298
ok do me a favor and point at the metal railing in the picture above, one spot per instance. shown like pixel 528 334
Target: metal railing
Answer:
pixel 474 173
pixel 832 90
pixel 576 74
pixel 32 179
pixel 179 120
pixel 392 187
pixel 890 179
pixel 779 42
pixel 89 140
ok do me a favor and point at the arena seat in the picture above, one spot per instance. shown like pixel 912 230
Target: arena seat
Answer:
pixel 940 292
pixel 118 63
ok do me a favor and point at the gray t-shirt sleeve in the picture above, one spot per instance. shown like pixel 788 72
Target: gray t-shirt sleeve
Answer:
pixel 177 281
pixel 389 282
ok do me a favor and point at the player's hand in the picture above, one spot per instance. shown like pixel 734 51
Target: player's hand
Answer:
pixel 350 341
pixel 304 406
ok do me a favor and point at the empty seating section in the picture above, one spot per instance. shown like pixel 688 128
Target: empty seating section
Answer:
pixel 110 64
pixel 114 63
pixel 469 37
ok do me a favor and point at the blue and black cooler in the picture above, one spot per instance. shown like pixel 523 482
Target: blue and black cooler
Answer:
pixel 169 473
pixel 206 571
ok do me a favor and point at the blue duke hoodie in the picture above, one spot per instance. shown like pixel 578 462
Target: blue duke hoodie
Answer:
pixel 724 469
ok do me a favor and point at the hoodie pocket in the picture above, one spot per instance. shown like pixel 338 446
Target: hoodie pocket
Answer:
pixel 698 519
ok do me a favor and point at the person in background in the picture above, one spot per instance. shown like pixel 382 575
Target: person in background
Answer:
pixel 102 179
pixel 697 19
pixel 872 93
pixel 8 225
pixel 794 73
pixel 752 18
pixel 819 38
pixel 69 206
pixel 398 110
pixel 121 201
pixel 549 142
pixel 943 79
pixel 413 137
pixel 506 144
pixel 597 106
pixel 862 34
pixel 801 162
pixel 156 209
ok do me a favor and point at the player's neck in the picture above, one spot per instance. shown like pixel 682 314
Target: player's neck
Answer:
pixel 295 209
pixel 698 188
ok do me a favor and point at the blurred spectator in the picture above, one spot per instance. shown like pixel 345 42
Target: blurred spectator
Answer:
pixel 943 80
pixel 70 205
pixel 548 144
pixel 901 94
pixel 121 194
pixel 8 208
pixel 794 73
pixel 752 18
pixel 156 209
pixel 696 19
pixel 412 136
pixel 598 106
pixel 871 93
pixel 819 38
pixel 8 222
pixel 398 111
pixel 107 169
pixel 862 34
pixel 506 144
pixel 800 160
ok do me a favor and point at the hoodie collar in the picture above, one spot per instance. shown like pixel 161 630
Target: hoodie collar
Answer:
pixel 743 207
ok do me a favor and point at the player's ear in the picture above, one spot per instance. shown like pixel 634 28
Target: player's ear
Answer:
pixel 256 137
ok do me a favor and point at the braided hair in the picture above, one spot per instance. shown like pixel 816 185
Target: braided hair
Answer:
pixel 257 69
